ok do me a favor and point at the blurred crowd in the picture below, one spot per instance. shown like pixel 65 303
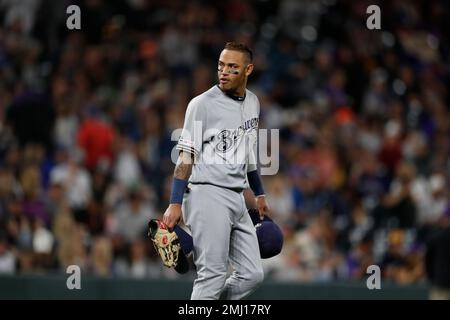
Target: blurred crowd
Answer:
pixel 87 116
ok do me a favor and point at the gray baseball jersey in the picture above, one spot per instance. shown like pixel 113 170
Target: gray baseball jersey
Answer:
pixel 221 132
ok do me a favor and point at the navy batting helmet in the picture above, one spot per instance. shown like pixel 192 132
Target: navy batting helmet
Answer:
pixel 270 237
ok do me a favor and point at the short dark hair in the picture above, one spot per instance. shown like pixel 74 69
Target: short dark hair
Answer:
pixel 241 48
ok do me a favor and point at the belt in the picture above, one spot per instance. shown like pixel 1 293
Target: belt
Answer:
pixel 238 190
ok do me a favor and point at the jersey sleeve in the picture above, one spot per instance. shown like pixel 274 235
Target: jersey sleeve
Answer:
pixel 194 124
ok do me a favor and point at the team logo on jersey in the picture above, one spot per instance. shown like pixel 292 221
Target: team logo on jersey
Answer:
pixel 227 139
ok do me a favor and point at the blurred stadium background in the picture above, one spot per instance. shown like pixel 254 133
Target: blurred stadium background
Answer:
pixel 85 139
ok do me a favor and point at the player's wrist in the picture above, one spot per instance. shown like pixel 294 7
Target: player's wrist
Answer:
pixel 178 188
pixel 255 183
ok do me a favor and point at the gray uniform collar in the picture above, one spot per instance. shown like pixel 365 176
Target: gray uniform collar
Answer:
pixel 237 98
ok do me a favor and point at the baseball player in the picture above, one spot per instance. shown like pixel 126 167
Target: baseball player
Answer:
pixel 216 163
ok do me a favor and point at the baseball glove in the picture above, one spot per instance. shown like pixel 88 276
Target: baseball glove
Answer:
pixel 168 246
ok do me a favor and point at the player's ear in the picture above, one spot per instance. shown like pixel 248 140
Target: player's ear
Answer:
pixel 249 69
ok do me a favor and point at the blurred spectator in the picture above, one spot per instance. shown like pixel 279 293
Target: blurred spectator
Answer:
pixel 280 198
pixel 21 13
pixel 7 258
pixel 66 127
pixel 43 244
pixel 400 264
pixel 31 118
pixel 132 216
pixel 33 205
pixel 434 200
pixel 96 138
pixel 359 258
pixel 102 256
pixel 140 264
pixel 127 171
pixel 397 209
pixel 138 267
pixel 437 260
pixel 76 183
pixel 71 242
pixel 315 244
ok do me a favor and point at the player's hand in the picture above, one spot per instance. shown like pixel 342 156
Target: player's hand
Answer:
pixel 172 215
pixel 262 206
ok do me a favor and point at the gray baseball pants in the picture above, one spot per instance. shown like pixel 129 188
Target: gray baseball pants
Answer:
pixel 223 235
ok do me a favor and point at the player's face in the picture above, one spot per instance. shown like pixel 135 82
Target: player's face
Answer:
pixel 233 70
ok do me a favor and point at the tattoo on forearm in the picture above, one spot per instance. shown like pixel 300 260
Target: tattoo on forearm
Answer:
pixel 183 168
pixel 182 171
